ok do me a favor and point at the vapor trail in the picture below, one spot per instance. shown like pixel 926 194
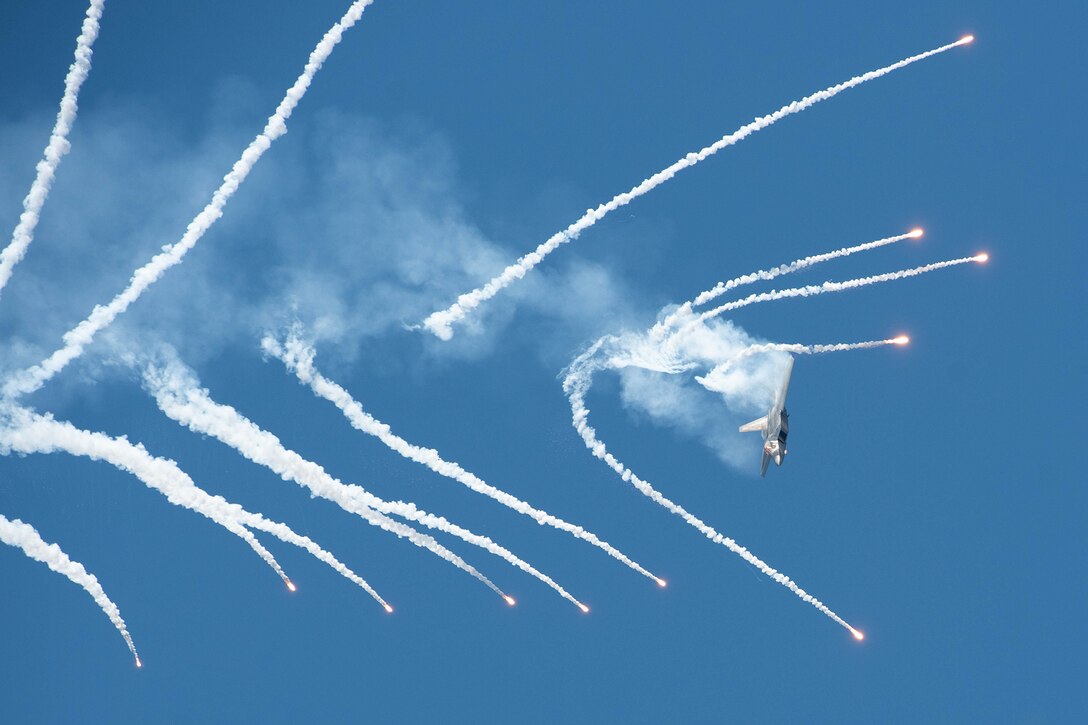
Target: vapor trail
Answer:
pixel 768 274
pixel 813 289
pixel 17 533
pixel 27 432
pixel 575 385
pixel 76 339
pixel 299 359
pixel 179 396
pixel 440 323
pixel 57 147
pixel 33 433
pixel 711 381
pixel 285 534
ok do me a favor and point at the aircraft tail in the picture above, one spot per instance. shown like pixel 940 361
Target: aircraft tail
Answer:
pixel 759 424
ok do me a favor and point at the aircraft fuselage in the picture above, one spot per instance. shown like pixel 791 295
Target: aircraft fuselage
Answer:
pixel 775 427
pixel 774 438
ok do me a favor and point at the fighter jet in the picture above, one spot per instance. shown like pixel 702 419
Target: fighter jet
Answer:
pixel 775 427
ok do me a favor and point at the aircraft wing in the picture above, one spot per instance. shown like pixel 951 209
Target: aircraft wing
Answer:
pixel 763 466
pixel 780 401
pixel 756 425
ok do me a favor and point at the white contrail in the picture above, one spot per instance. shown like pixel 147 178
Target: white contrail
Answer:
pixel 721 288
pixel 27 432
pixel 17 533
pixel 57 147
pixel 440 323
pixel 285 534
pixel 819 289
pixel 76 339
pixel 299 359
pixel 711 381
pixel 576 384
pixel 179 396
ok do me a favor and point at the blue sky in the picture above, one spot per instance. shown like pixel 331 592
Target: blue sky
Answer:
pixel 933 495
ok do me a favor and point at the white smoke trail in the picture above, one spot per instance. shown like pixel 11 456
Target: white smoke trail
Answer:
pixel 285 534
pixel 57 147
pixel 813 289
pixel 32 433
pixel 721 288
pixel 27 432
pixel 179 396
pixel 576 385
pixel 76 339
pixel 440 323
pixel 713 380
pixel 299 359
pixel 17 533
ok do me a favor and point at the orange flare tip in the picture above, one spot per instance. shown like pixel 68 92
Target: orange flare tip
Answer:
pixel 584 608
pixel 661 582
pixel 139 663
pixel 984 257
pixel 967 39
pixel 509 599
pixel 291 586
pixel 916 232
pixel 857 635
pixel 901 340
pixel 388 608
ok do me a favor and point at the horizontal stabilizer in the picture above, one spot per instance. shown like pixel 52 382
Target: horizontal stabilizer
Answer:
pixel 756 425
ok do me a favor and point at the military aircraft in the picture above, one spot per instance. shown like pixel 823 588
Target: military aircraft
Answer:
pixel 775 427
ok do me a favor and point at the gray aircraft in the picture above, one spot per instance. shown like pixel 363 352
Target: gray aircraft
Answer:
pixel 775 427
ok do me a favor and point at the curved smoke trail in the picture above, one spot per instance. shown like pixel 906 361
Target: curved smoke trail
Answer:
pixel 27 432
pixel 298 357
pixel 441 323
pixel 179 396
pixel 712 380
pixel 77 339
pixel 819 289
pixel 576 385
pixel 57 147
pixel 17 533
pixel 766 275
